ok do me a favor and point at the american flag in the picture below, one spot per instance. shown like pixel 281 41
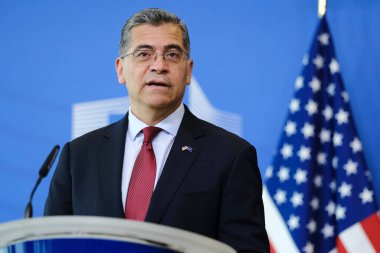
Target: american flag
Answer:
pixel 319 195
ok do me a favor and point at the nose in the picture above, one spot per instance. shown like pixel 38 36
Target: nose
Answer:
pixel 159 64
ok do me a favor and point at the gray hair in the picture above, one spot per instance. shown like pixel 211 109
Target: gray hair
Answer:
pixel 152 16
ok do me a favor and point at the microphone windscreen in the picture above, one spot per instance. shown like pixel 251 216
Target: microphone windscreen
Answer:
pixel 49 162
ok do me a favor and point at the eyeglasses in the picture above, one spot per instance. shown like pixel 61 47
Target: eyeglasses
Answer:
pixel 148 56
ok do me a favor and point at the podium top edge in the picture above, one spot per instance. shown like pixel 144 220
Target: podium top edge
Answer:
pixel 108 228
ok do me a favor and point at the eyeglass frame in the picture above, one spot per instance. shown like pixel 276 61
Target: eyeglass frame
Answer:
pixel 157 54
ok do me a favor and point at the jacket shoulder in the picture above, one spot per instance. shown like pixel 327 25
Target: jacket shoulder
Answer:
pixel 222 135
pixel 93 137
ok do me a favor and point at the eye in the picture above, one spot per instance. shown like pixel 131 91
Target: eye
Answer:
pixel 142 55
pixel 174 55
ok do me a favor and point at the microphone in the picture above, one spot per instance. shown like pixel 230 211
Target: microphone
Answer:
pixel 42 173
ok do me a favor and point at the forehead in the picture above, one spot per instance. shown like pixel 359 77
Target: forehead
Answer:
pixel 156 36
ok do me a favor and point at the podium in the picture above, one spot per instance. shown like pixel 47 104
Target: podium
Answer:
pixel 80 234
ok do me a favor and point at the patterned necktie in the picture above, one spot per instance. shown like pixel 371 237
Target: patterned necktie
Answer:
pixel 141 186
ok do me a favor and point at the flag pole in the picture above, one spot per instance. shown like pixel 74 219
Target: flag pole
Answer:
pixel 321 8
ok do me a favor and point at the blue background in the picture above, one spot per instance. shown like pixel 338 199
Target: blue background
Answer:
pixel 247 56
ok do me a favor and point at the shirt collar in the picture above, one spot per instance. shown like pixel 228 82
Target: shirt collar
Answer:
pixel 170 124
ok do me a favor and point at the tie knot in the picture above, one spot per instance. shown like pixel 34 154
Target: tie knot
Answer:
pixel 150 132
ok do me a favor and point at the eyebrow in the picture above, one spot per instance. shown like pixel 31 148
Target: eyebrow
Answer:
pixel 173 46
pixel 144 46
pixel 166 48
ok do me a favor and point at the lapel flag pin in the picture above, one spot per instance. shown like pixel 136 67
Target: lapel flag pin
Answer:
pixel 188 148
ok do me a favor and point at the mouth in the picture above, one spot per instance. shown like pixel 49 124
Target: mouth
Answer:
pixel 157 84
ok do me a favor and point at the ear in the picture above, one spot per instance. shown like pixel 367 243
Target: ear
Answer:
pixel 119 65
pixel 189 71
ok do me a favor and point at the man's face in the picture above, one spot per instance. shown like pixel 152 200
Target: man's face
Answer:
pixel 161 84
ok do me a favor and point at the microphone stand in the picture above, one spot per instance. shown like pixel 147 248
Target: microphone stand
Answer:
pixel 28 213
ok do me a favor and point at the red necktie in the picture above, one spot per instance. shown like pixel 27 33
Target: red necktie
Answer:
pixel 141 186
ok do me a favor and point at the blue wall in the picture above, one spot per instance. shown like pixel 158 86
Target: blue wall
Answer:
pixel 247 56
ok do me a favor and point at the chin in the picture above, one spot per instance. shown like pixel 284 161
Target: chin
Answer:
pixel 169 105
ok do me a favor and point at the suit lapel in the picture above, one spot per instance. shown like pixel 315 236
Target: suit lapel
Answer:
pixel 177 166
pixel 110 166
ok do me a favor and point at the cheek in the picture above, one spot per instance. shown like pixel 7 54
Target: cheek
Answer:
pixel 133 76
pixel 182 74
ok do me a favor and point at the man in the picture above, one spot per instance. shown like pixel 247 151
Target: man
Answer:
pixel 183 172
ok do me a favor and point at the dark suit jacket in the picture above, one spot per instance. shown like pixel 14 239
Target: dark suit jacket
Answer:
pixel 215 190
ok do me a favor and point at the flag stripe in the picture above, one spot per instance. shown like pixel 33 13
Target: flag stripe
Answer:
pixel 271 247
pixel 275 225
pixel 371 227
pixel 340 246
pixel 355 239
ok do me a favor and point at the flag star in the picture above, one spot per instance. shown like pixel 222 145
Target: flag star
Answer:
pixel 293 222
pixel 297 199
pixel 340 212
pixel 307 130
pixel 330 208
pixel 332 186
pixel 334 66
pixel 280 197
pixel 299 82
pixel 337 139
pixel 290 128
pixel 314 203
pixel 345 190
pixel 305 59
pixel 366 195
pixel 318 61
pixel 300 176
pixel 294 105
pixel 367 173
pixel 356 145
pixel 342 117
pixel 311 226
pixel 318 181
pixel 345 96
pixel 324 135
pixel 324 39
pixel 311 107
pixel 269 172
pixel 351 167
pixel 309 248
pixel 335 162
pixel 304 153
pixel 327 113
pixel 327 231
pixel 286 151
pixel 283 174
pixel 321 158
pixel 331 89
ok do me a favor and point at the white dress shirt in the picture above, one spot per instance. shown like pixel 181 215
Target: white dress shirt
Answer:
pixel 162 144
